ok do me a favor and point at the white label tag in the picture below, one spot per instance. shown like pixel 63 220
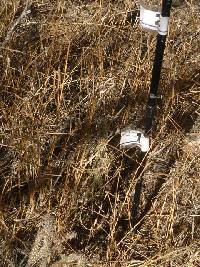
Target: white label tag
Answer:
pixel 153 20
pixel 131 138
pixel 149 19
pixel 163 25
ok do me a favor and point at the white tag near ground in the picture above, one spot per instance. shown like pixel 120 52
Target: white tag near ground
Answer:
pixel 153 20
pixel 131 138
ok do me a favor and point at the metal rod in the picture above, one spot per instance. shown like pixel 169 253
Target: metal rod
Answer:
pixel 150 112
pixel 156 72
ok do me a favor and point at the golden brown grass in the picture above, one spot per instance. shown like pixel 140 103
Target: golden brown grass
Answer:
pixel 73 73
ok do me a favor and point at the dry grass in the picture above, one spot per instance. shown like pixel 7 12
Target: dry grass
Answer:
pixel 73 73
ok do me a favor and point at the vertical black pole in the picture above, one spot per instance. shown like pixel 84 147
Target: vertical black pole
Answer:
pixel 151 104
pixel 159 52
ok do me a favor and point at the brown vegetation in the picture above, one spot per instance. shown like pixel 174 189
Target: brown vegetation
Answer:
pixel 73 73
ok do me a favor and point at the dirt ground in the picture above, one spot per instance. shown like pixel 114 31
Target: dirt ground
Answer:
pixel 73 74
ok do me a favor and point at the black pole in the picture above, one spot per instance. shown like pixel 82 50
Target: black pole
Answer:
pixel 157 65
pixel 151 106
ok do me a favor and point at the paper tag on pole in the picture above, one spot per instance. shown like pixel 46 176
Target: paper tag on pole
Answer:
pixel 163 25
pixel 153 20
